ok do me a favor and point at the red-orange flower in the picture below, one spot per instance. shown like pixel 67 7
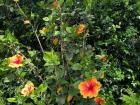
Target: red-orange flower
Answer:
pixel 80 29
pixel 16 61
pixel 99 101
pixel 90 88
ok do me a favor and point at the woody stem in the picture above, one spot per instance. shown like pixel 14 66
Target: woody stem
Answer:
pixel 34 30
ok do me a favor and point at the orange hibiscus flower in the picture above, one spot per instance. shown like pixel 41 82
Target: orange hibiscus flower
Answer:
pixel 27 90
pixel 90 88
pixel 16 61
pixel 99 101
pixel 80 29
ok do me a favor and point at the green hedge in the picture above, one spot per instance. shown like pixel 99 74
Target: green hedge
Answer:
pixel 57 59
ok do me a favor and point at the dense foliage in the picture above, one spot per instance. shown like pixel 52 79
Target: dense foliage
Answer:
pixel 69 52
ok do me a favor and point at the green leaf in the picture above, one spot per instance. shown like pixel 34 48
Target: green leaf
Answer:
pixel 69 2
pixel 27 61
pixel 57 33
pixel 61 2
pixel 1 37
pixel 41 103
pixel 22 74
pixel 51 58
pixel 9 36
pixel 60 100
pixel 42 88
pixel 76 66
pixel 6 79
pixel 76 84
pixel 11 100
pixel 28 104
pixel 2 102
pixel 32 53
pixel 69 29
pixel 46 19
pixel 59 73
pixel 73 91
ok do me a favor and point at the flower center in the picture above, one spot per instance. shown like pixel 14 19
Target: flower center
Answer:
pixel 90 86
pixel 30 89
pixel 17 61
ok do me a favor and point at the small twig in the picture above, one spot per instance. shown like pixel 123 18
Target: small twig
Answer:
pixel 83 49
pixel 21 10
pixel 63 59
pixel 65 64
pixel 35 31
pixel 40 77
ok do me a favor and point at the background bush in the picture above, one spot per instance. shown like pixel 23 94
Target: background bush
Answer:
pixel 112 29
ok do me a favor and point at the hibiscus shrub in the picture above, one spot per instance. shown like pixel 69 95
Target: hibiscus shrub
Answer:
pixel 69 52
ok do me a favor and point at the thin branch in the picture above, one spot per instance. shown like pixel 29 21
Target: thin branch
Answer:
pixel 34 30
pixel 21 10
pixel 65 64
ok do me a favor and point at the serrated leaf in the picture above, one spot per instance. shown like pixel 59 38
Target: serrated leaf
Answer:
pixel 9 36
pixel 51 58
